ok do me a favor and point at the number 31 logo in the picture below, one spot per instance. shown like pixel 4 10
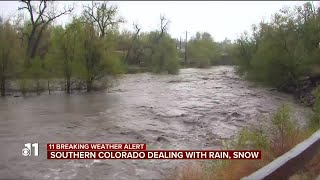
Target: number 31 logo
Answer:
pixel 27 150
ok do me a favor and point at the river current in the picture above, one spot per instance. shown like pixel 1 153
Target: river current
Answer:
pixel 196 109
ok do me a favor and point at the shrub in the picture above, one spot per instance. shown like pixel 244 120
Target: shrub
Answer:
pixel 274 141
pixel 314 123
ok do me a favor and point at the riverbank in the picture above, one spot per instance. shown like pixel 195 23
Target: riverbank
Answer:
pixel 281 136
pixel 305 93
pixel 22 87
pixel 26 87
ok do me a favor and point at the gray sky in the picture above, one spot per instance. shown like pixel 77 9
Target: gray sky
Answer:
pixel 224 19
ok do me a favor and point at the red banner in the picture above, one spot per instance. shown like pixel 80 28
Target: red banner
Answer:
pixel 153 154
pixel 95 146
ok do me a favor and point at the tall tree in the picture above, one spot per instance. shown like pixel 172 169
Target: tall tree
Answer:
pixel 9 53
pixel 97 60
pixel 40 16
pixel 164 54
pixel 66 50
pixel 203 50
pixel 132 52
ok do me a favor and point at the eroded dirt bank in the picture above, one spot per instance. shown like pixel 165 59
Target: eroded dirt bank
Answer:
pixel 193 110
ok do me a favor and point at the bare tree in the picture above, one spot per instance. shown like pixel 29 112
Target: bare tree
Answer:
pixel 164 22
pixel 137 30
pixel 40 17
pixel 104 17
pixel 135 36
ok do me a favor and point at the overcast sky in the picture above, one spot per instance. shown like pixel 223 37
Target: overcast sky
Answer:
pixel 225 19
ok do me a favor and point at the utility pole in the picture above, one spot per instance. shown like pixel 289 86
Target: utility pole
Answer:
pixel 185 49
pixel 180 45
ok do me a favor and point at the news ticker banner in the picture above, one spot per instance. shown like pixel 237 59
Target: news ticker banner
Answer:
pixel 131 151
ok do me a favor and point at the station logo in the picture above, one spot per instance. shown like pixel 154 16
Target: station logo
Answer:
pixel 31 149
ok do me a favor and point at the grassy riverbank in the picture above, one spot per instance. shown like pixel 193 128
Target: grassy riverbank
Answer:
pixel 274 140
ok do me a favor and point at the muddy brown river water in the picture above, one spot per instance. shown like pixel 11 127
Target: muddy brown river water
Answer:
pixel 193 110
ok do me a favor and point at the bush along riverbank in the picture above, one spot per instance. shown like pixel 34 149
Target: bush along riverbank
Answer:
pixel 273 140
pixel 284 52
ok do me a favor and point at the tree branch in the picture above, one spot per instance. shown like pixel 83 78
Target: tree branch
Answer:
pixel 43 18
pixel 102 16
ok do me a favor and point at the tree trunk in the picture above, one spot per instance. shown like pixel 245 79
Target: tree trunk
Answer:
pixel 23 87
pixel 49 86
pixel 38 85
pixel 89 84
pixel 68 85
pixel 3 86
pixel 185 50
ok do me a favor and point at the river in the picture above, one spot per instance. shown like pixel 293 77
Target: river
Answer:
pixel 193 110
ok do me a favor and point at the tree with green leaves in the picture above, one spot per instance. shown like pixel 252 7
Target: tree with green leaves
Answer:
pixel 203 51
pixel 165 56
pixel 10 58
pixel 281 52
pixel 160 53
pixel 40 16
pixel 66 50
pixel 97 60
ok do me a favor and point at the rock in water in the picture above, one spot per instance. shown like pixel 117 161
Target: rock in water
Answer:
pixel 162 139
